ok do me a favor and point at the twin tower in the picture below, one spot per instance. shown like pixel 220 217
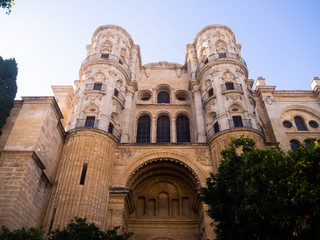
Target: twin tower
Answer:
pixel 138 141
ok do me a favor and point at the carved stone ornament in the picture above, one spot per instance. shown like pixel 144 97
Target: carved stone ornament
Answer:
pixel 179 72
pixel 147 72
pixel 269 99
pixel 122 156
pixel 203 156
pixel 112 73
pixel 214 72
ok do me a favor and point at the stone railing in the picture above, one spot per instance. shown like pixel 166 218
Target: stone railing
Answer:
pixel 85 123
pixel 119 96
pixel 206 96
pixel 216 56
pixel 108 57
pixel 95 87
pixel 230 87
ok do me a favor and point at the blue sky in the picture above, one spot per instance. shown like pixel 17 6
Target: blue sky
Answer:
pixel 280 39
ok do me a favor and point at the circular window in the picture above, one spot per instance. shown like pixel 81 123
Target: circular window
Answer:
pixel 313 124
pixel 144 95
pixel 182 95
pixel 287 124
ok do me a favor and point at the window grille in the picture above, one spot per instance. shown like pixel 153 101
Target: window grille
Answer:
pixel 183 129
pixel 163 97
pixel 143 129
pixel 163 129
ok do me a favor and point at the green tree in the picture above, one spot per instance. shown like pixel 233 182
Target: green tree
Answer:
pixel 8 88
pixel 79 229
pixel 265 194
pixel 21 234
pixel 7 4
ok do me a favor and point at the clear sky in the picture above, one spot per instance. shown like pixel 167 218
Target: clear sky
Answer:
pixel 280 38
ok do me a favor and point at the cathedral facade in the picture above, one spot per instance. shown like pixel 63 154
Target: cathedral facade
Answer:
pixel 130 145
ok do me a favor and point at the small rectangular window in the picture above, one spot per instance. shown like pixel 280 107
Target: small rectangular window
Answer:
pixel 110 128
pixel 116 92
pixel 90 122
pixel 237 121
pixel 104 55
pixel 210 92
pixel 216 127
pixel 97 86
pixel 83 174
pixel 222 55
pixel 229 86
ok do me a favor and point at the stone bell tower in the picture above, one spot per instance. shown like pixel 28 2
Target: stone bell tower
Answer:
pixel 102 107
pixel 223 97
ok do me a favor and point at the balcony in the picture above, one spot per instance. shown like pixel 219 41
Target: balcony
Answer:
pixel 108 57
pixel 235 87
pixel 95 87
pixel 216 56
pixel 235 123
pixel 94 124
pixel 208 95
pixel 119 97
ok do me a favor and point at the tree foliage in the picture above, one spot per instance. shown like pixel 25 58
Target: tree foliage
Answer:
pixel 265 194
pixel 21 234
pixel 8 88
pixel 79 229
pixel 7 4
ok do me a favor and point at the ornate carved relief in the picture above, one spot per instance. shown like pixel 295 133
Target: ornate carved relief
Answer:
pixel 203 156
pixel 269 99
pixel 122 156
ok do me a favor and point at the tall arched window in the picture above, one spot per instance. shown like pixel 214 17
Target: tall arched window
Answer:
pixel 183 129
pixel 163 97
pixel 301 126
pixel 163 129
pixel 294 145
pixel 143 129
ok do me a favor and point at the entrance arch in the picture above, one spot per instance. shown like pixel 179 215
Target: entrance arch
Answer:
pixel 166 201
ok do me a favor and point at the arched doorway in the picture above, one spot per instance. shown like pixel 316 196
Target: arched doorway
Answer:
pixel 166 202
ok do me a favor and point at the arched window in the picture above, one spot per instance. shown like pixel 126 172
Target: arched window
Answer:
pixel 143 129
pixel 183 129
pixel 163 97
pixel 294 145
pixel 163 129
pixel 301 126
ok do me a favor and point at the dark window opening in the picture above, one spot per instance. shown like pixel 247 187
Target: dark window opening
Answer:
pixel 313 124
pixel 116 92
pixel 120 61
pixel 237 121
pixel 216 127
pixel 97 86
pixel 110 128
pixel 287 124
pixel 163 97
pixel 183 129
pixel 210 92
pixel 222 55
pixel 90 122
pixel 104 55
pixel 163 129
pixel 229 86
pixel 294 145
pixel 143 129
pixel 301 126
pixel 83 174
pixel 206 61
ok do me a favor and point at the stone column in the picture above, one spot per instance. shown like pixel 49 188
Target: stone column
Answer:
pixel 201 133
pixel 173 130
pixel 153 129
pixel 126 117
